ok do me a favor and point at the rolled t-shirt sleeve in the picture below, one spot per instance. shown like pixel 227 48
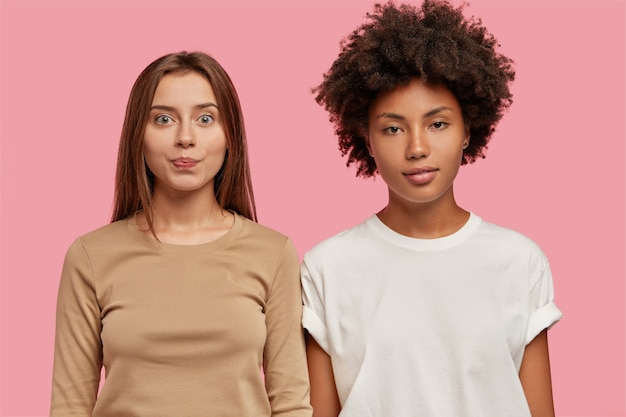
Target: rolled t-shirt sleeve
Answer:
pixel 543 311
pixel 313 317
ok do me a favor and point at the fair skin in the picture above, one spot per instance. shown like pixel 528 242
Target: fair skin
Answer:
pixel 184 147
pixel 416 135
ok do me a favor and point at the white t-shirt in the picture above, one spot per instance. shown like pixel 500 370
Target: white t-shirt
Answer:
pixel 428 327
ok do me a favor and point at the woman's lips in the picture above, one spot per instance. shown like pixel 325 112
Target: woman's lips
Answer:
pixel 184 162
pixel 421 176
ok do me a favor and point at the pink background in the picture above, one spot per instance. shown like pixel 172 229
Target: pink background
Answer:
pixel 554 171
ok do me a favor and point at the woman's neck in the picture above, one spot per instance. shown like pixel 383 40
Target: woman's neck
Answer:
pixel 424 220
pixel 188 218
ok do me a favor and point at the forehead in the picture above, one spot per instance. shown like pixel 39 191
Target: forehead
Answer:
pixel 417 95
pixel 189 86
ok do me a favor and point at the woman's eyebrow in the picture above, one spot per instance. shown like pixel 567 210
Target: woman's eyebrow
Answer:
pixel 430 113
pixel 170 108
pixel 391 116
pixel 205 105
pixel 436 111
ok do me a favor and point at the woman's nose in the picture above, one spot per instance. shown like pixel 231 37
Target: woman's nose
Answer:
pixel 185 136
pixel 417 146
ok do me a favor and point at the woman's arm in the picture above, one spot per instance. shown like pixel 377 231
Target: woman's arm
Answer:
pixel 78 347
pixel 284 357
pixel 324 396
pixel 535 376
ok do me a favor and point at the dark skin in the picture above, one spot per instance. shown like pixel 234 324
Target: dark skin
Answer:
pixel 412 127
pixel 536 378
pixel 403 41
pixel 324 398
pixel 437 44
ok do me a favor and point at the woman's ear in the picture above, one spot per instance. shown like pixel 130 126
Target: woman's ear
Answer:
pixel 467 136
pixel 367 145
pixel 366 136
pixel 466 141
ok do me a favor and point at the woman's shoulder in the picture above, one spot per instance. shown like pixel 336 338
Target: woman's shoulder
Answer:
pixel 262 236
pixel 107 235
pixel 99 242
pixel 508 238
pixel 494 230
pixel 113 228
pixel 349 240
pixel 260 230
pixel 262 240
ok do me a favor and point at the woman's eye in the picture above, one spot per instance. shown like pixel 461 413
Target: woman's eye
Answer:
pixel 392 130
pixel 439 125
pixel 206 119
pixel 163 119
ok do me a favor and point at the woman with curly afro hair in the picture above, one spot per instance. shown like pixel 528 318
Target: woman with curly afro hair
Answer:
pixel 424 309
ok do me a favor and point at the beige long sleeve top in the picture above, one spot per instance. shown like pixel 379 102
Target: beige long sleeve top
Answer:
pixel 181 330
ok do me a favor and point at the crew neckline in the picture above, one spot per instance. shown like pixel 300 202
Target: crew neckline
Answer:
pixel 213 245
pixel 413 243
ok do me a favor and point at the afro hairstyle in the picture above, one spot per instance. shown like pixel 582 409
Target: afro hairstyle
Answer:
pixel 435 43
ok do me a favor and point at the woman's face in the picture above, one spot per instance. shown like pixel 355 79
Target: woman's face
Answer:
pixel 416 135
pixel 184 140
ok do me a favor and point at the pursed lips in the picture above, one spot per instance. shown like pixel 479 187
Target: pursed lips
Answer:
pixel 184 162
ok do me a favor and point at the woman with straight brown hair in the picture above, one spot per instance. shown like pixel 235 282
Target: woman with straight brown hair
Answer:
pixel 191 306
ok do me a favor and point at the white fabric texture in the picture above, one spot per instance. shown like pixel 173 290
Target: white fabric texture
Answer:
pixel 427 327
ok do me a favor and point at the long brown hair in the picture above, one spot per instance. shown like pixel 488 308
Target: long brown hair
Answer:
pixel 133 181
